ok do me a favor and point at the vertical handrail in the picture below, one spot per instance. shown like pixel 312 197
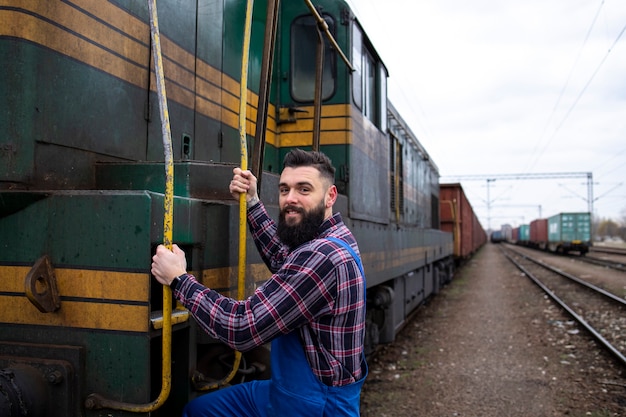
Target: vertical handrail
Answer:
pixel 269 46
pixel 243 143
pixel 319 85
pixel 95 401
pixel 168 205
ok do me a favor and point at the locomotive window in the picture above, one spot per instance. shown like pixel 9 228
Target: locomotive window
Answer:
pixel 369 81
pixel 396 165
pixel 369 87
pixel 304 40
pixel 357 58
pixel 382 97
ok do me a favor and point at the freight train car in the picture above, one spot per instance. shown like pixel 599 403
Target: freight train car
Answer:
pixel 514 235
pixel 496 236
pixel 458 217
pixel 561 233
pixel 523 237
pixel 507 232
pixel 569 232
pixel 82 180
pixel 539 234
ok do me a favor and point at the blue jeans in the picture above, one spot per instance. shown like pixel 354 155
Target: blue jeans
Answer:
pixel 242 400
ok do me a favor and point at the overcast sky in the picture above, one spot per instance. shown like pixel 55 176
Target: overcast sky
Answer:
pixel 496 87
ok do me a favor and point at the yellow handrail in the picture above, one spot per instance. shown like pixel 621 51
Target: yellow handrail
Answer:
pixel 243 143
pixel 95 400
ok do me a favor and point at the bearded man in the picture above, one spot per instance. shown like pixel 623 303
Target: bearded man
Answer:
pixel 312 309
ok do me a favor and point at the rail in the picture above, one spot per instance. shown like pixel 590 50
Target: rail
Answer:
pixel 597 335
pixel 269 47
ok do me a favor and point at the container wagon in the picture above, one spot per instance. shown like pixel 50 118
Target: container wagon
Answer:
pixel 515 235
pixel 458 217
pixel 523 235
pixel 569 232
pixel 539 233
pixel 507 232
pixel 496 236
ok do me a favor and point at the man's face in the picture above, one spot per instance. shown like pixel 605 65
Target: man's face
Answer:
pixel 305 201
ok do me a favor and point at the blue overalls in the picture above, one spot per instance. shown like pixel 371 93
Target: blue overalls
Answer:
pixel 293 390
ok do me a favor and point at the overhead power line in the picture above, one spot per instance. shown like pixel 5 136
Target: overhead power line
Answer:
pixel 523 176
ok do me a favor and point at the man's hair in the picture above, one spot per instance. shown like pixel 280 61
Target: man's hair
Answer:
pixel 299 158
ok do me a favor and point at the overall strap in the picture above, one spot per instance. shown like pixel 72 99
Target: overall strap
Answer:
pixel 345 244
pixel 357 259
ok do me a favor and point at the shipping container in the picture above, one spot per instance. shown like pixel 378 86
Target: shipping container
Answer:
pixel 457 216
pixel 507 232
pixel 524 234
pixel 539 233
pixel 569 232
pixel 496 236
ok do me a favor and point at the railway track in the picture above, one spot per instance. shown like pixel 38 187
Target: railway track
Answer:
pixel 600 312
pixel 607 263
pixel 614 258
pixel 607 249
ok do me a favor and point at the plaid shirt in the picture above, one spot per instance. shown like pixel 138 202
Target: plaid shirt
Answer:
pixel 316 289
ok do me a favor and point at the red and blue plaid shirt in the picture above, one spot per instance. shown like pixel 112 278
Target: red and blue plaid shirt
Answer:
pixel 316 289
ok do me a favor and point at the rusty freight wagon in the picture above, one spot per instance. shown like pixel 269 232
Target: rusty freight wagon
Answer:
pixel 459 218
pixel 539 234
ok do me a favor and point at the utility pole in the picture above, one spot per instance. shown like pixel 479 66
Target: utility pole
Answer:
pixel 489 180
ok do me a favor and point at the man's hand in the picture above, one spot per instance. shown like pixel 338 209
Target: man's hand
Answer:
pixel 167 265
pixel 244 182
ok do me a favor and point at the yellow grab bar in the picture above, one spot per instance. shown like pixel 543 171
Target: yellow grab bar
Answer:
pixel 96 401
pixel 243 143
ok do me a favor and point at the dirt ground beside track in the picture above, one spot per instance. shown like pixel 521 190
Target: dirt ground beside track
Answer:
pixel 490 344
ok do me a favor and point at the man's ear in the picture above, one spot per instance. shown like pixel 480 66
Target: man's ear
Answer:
pixel 331 196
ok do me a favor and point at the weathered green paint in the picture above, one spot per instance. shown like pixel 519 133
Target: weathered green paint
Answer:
pixel 93 229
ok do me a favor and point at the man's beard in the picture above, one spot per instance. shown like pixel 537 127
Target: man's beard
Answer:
pixel 307 229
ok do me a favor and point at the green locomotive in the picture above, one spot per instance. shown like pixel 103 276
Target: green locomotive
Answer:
pixel 82 186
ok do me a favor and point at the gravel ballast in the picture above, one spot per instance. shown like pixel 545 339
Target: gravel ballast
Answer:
pixel 491 344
